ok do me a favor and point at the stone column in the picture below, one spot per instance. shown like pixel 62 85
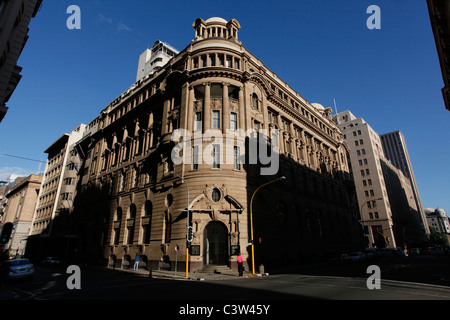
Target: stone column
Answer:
pixel 225 108
pixel 190 109
pixel 241 109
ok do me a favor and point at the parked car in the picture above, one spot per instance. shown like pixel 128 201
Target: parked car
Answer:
pixel 400 252
pixel 344 257
pixel 17 269
pixel 51 261
pixel 357 256
pixel 414 252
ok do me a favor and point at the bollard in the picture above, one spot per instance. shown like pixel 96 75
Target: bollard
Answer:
pixel 150 274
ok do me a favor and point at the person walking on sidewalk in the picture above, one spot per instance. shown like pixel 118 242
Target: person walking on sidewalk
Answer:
pixel 136 262
pixel 240 265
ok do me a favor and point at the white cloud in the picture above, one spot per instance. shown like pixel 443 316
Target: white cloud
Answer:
pixel 103 19
pixel 122 26
pixel 6 172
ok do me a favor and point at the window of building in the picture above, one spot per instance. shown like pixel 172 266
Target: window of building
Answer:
pixel 215 195
pixel 216 156
pixel 216 119
pixel 233 121
pixel 237 163
pixel 198 121
pixel 195 158
pixel 122 184
pixel 255 102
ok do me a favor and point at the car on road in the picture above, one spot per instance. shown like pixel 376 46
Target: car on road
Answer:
pixel 344 257
pixel 370 253
pixel 51 261
pixel 357 256
pixel 16 269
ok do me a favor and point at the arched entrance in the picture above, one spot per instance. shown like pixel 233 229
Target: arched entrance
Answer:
pixel 215 244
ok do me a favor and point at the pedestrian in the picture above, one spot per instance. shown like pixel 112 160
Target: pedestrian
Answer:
pixel 240 265
pixel 136 262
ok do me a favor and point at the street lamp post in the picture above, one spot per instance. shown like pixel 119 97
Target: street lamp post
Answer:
pixel 187 224
pixel 251 219
pixel 362 218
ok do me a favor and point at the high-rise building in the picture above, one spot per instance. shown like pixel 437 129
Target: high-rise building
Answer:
pixel 395 150
pixel 390 214
pixel 154 59
pixel 15 16
pixel 52 213
pixel 150 191
pixel 364 157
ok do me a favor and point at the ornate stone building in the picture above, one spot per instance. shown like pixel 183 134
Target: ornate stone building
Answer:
pixel 136 196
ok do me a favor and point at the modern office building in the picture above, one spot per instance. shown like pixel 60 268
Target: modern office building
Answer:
pixel 154 59
pixel 15 17
pixel 365 154
pixel 148 190
pixel 389 211
pixel 48 233
pixel 395 151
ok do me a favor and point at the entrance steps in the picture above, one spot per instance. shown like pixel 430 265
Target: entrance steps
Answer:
pixel 217 269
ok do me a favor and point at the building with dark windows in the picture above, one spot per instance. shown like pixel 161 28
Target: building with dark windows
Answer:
pixel 181 153
pixel 15 17
pixel 396 152
pixel 390 213
pixel 439 11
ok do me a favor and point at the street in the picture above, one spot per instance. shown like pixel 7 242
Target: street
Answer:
pixel 409 278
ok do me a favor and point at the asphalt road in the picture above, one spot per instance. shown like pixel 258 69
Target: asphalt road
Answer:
pixel 411 278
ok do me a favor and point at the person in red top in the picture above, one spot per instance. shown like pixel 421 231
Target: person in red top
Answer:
pixel 240 265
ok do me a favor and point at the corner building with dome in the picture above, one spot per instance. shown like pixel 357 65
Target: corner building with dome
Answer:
pixel 133 198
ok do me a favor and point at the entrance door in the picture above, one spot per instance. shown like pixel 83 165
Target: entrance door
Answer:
pixel 216 244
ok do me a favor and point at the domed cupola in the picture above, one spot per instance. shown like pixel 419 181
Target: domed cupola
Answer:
pixel 216 27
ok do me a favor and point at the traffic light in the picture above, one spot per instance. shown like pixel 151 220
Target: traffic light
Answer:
pixel 6 233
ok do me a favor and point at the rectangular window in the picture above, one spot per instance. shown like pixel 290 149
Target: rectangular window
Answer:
pixel 233 121
pixel 216 156
pixel 237 163
pixel 195 158
pixel 216 119
pixel 198 121
pixel 122 185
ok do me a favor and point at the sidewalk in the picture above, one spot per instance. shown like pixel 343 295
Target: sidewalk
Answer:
pixel 180 275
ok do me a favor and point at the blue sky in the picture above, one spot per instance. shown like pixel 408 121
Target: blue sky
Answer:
pixel 322 48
